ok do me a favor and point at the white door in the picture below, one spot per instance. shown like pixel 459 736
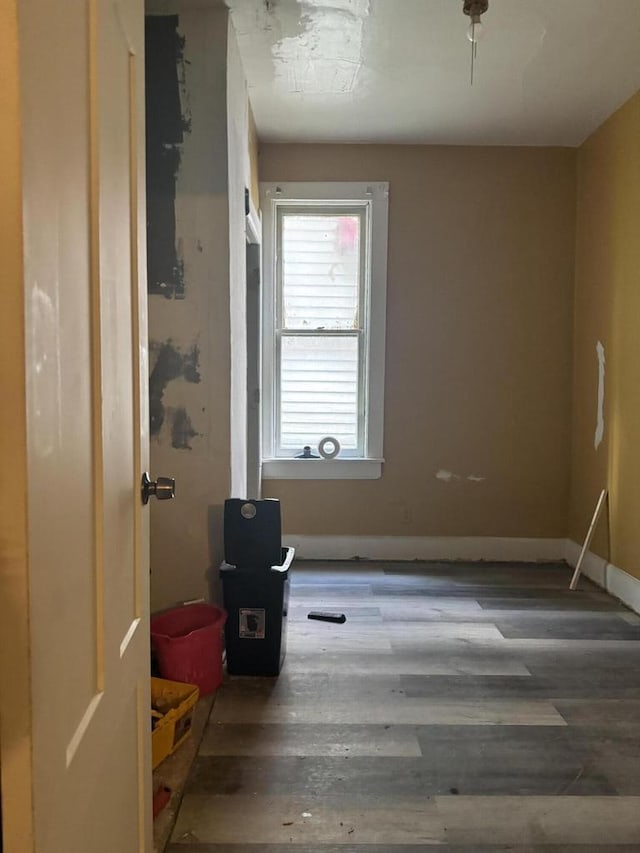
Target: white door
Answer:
pixel 82 755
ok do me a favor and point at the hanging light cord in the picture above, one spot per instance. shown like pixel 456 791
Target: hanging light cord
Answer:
pixel 474 48
pixel 474 9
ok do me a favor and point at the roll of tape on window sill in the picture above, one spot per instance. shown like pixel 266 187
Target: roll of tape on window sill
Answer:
pixel 329 454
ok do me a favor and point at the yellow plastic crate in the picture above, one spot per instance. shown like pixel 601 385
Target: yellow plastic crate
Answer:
pixel 174 702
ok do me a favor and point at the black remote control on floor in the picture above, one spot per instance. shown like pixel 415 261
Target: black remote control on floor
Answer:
pixel 324 616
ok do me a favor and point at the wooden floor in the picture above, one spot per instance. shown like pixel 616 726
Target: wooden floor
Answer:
pixel 469 707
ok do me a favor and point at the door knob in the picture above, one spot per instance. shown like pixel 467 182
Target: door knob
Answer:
pixel 164 488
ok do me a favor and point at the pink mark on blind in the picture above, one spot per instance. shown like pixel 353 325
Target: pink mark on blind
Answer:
pixel 347 233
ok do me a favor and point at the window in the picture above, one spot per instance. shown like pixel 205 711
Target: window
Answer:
pixel 325 257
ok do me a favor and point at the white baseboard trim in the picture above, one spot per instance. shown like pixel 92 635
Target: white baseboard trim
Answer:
pixel 619 583
pixel 425 548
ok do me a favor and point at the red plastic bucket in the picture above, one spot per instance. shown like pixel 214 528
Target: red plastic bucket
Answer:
pixel 188 644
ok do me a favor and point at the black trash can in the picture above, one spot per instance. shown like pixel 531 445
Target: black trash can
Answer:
pixel 256 601
pixel 252 533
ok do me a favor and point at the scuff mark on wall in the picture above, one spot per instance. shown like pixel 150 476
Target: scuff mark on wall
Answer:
pixel 182 430
pixel 448 477
pixel 597 441
pixel 166 124
pixel 169 363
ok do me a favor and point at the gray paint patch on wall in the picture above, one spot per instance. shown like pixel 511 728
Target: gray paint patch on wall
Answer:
pixel 165 128
pixel 169 363
pixel 182 430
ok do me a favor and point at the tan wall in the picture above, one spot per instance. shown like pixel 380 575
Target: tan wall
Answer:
pixel 478 368
pixel 607 309
pixel 185 533
pixel 254 185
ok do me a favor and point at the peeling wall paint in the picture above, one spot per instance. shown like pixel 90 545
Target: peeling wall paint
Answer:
pixel 597 440
pixel 169 363
pixel 166 123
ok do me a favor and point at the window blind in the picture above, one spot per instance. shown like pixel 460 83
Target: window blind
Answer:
pixel 319 329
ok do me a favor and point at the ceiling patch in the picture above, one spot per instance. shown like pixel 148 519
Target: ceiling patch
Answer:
pixel 326 56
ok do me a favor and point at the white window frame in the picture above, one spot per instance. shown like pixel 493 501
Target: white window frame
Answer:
pixel 372 198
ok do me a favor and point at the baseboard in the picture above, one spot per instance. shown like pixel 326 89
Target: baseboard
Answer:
pixel 425 548
pixel 619 583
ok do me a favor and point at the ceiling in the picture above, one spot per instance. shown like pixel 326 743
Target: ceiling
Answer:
pixel 548 72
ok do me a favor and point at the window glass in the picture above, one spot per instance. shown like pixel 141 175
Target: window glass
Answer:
pixel 318 390
pixel 320 271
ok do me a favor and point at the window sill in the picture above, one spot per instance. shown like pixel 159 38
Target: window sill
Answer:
pixel 322 469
